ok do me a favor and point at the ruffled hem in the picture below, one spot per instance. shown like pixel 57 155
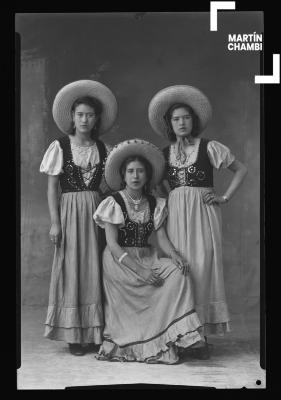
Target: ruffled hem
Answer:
pixel 74 335
pixel 219 329
pixel 163 348
pixel 214 318
pixel 86 316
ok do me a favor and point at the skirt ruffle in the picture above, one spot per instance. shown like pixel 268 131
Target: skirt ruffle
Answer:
pixel 75 312
pixel 74 335
pixel 161 348
pixel 197 236
pixel 211 316
pixel 220 329
pixel 74 324
pixel 86 316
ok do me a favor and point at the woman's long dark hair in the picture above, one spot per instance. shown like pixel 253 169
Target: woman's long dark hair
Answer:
pixel 168 116
pixel 96 105
pixel 147 166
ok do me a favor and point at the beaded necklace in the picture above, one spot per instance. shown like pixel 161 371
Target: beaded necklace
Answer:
pixel 136 203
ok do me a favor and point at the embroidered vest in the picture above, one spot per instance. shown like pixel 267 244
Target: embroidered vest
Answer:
pixel 198 174
pixel 135 234
pixel 72 180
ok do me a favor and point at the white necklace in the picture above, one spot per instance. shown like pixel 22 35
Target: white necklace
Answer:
pixel 135 202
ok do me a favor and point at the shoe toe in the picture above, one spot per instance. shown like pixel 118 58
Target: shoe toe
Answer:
pixel 76 349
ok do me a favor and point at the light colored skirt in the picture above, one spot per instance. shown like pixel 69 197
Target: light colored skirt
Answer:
pixel 142 322
pixel 75 312
pixel 194 228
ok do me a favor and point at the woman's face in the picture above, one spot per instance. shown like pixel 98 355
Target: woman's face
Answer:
pixel 84 118
pixel 135 175
pixel 181 121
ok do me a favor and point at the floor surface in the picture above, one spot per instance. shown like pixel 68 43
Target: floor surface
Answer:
pixel 46 364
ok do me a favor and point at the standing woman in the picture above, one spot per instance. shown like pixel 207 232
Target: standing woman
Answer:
pixel 82 110
pixel 180 113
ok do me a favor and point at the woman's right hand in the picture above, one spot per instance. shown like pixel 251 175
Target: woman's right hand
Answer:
pixel 180 262
pixel 55 234
pixel 154 279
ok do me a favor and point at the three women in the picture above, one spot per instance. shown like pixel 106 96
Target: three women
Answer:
pixel 149 309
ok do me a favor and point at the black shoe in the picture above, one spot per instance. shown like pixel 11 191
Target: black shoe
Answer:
pixel 76 349
pixel 202 353
pixel 92 348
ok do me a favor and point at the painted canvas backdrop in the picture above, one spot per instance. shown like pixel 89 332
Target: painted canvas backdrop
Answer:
pixel 136 55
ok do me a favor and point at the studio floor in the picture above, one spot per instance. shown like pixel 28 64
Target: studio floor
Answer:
pixel 46 364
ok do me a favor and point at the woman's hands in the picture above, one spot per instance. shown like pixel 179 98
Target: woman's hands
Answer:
pixel 212 198
pixel 240 171
pixel 167 247
pixel 180 262
pixel 55 233
pixel 152 278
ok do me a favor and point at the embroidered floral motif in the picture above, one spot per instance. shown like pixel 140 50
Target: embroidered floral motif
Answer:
pixel 198 174
pixel 183 177
pixel 191 169
pixel 134 234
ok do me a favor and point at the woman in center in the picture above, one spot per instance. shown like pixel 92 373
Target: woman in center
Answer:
pixel 149 306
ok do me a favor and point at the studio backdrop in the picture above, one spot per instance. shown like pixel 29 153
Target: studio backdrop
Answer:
pixel 136 55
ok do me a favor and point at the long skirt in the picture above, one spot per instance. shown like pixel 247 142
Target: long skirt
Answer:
pixel 75 313
pixel 142 322
pixel 195 230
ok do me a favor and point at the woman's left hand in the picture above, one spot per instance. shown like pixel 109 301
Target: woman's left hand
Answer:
pixel 180 262
pixel 212 198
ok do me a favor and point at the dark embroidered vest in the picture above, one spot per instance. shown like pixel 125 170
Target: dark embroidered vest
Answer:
pixel 198 174
pixel 134 234
pixel 72 180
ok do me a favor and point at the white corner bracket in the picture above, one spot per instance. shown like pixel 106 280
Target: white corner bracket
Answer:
pixel 214 7
pixel 275 77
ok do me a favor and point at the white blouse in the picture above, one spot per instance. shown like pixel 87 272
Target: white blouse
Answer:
pixel 220 155
pixel 85 157
pixel 110 211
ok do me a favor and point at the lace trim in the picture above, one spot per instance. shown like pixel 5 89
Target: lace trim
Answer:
pixel 189 161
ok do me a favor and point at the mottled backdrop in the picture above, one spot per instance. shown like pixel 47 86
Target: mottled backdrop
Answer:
pixel 137 54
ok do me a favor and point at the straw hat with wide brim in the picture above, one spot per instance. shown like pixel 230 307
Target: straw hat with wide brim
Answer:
pixel 164 99
pixel 71 92
pixel 126 149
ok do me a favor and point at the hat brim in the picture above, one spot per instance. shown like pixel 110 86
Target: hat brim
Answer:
pixel 71 92
pixel 165 98
pixel 128 148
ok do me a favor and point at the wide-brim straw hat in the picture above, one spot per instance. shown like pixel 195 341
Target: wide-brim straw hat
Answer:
pixel 186 94
pixel 71 92
pixel 128 148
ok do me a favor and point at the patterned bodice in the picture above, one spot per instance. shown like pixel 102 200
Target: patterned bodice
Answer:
pixel 135 234
pixel 72 180
pixel 198 174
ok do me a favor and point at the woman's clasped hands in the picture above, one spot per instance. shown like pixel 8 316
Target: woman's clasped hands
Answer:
pixel 153 278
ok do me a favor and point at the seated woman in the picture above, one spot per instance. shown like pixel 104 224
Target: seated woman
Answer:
pixel 149 306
